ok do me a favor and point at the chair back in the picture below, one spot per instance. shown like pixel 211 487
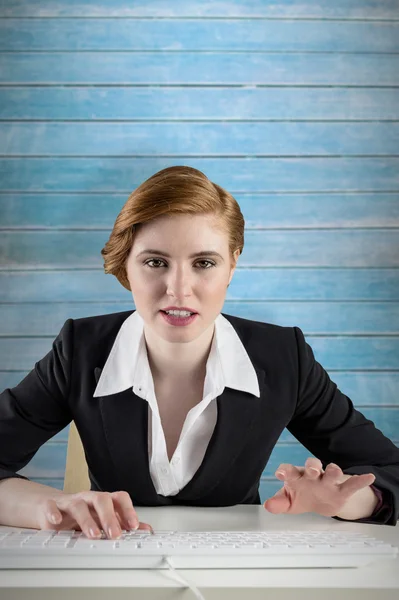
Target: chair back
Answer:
pixel 76 470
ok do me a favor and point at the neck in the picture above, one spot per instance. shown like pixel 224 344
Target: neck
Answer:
pixel 172 361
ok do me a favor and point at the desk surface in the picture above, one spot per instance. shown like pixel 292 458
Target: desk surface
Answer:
pixel 358 583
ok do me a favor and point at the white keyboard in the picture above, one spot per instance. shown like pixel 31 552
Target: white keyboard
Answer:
pixel 33 549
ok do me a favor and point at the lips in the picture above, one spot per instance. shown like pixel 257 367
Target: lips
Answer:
pixel 178 322
pixel 185 308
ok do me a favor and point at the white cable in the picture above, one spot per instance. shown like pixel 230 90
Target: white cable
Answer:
pixel 181 579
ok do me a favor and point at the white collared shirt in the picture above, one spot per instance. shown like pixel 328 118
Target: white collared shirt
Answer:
pixel 127 366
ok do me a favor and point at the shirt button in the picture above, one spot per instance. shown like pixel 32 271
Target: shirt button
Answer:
pixel 164 470
pixel 176 460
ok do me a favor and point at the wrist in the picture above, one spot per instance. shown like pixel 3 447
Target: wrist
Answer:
pixel 361 505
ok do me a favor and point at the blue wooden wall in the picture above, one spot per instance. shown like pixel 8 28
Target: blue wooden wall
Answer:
pixel 292 106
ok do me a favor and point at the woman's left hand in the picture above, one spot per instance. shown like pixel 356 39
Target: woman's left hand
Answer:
pixel 323 492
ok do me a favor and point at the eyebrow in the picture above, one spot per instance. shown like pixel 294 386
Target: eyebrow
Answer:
pixel 196 255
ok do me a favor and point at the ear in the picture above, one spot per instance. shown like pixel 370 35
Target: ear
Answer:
pixel 233 268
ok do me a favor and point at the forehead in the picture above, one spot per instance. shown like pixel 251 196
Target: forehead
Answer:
pixel 180 231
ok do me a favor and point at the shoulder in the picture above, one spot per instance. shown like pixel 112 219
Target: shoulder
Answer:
pixel 250 330
pixel 96 335
pixel 101 325
pixel 259 337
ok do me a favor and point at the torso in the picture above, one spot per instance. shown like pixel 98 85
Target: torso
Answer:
pixel 174 403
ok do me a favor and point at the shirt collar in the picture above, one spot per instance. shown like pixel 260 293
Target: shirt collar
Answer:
pixel 127 365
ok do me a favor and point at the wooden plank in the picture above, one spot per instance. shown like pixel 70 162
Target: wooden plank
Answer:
pixel 247 284
pixel 122 103
pixel 364 388
pixel 195 34
pixel 356 9
pixel 50 460
pixel 261 211
pixel 111 174
pixel 209 68
pixel 267 487
pixel 295 454
pixel 293 248
pixel 196 139
pixel 312 317
pixel 367 389
pixel 333 352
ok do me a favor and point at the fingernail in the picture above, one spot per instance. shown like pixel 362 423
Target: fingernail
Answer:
pixel 53 518
pixel 94 533
pixel 314 469
pixel 283 473
pixel 133 524
pixel 111 534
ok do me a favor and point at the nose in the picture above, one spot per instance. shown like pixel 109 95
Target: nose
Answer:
pixel 179 282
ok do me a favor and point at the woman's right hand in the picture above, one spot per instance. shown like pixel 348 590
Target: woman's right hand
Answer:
pixel 90 512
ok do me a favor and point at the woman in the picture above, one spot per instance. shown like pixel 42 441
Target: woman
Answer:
pixel 176 403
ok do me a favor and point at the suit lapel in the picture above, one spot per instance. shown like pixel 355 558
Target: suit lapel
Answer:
pixel 125 421
pixel 237 415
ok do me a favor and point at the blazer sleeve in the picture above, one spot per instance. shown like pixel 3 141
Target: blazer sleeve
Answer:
pixel 37 408
pixel 327 424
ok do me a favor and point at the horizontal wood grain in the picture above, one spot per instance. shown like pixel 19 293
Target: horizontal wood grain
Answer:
pixel 204 103
pixel 112 174
pixel 195 139
pixel 333 352
pixel 266 211
pixel 300 248
pixel 372 391
pixel 196 34
pixel 328 284
pixel 358 318
pixel 356 9
pixel 292 105
pixel 208 68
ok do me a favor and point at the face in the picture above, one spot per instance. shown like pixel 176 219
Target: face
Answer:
pixel 169 275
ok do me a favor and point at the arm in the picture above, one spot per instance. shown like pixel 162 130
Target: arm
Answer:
pixel 368 505
pixel 362 505
pixel 19 497
pixel 30 414
pixel 327 424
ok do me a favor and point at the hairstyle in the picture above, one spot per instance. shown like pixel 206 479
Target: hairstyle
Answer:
pixel 171 191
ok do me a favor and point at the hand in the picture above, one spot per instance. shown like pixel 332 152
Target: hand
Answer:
pixel 89 510
pixel 319 491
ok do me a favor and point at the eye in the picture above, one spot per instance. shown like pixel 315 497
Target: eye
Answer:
pixel 210 264
pixel 157 260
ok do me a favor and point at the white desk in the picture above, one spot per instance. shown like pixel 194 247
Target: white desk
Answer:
pixel 377 581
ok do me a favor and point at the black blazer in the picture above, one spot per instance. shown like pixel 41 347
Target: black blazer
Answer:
pixel 295 392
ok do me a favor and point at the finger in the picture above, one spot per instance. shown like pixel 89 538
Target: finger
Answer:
pixel 313 467
pixel 76 507
pixel 287 472
pixel 357 482
pixel 128 516
pixel 53 514
pixel 126 513
pixel 279 503
pixel 146 527
pixel 333 473
pixel 104 505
